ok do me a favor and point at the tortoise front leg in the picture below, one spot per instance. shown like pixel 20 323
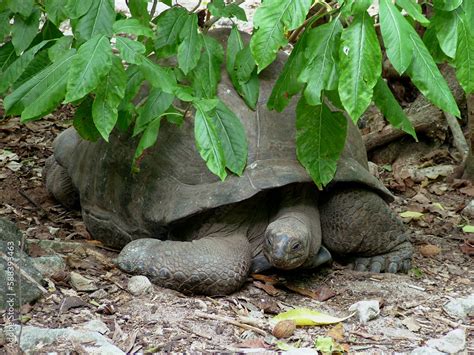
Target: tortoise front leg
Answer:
pixel 358 221
pixel 216 265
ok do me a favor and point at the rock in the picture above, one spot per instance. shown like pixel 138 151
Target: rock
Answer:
pixel 92 342
pixel 366 310
pixel 49 265
pixel 95 325
pixel 468 211
pixel 452 343
pixel 138 285
pixel 81 283
pixel 99 294
pixel 425 350
pixel 12 261
pixel 460 308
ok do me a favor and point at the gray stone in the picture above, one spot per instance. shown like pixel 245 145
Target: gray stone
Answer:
pixel 49 265
pixel 452 343
pixel 460 308
pixel 81 283
pixel 99 294
pixel 425 350
pixel 138 285
pixel 95 325
pixel 468 211
pixel 18 276
pixel 366 310
pixel 92 342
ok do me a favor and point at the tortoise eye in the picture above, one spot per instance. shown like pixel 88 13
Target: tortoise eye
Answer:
pixel 296 246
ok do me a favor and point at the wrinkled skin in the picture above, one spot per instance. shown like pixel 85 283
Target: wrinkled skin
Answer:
pixel 185 229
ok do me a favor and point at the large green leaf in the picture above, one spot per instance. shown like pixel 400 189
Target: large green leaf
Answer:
pixel 76 8
pixel 91 63
pixel 39 62
pixel 321 53
pixel 148 139
pixel 61 46
pixel 46 88
pixel 207 73
pixel 158 76
pixel 447 5
pixel 134 81
pixel 24 31
pixel 132 26
pixel 218 8
pixel 465 53
pixel 55 10
pixel 4 25
pixel 108 96
pixel 98 20
pixel 432 44
pixel 320 138
pixel 395 30
pixel 425 75
pixel 155 105
pixel 248 90
pixel 446 27
pixel 231 134
pixel 272 19
pixel 244 65
pixel 139 10
pixel 414 10
pixel 189 49
pixel 16 69
pixel 169 25
pixel 360 65
pixel 23 7
pixel 129 49
pixel 83 122
pixel 7 55
pixel 207 140
pixel 391 109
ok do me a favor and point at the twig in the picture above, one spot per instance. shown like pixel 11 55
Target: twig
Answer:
pixel 416 287
pixel 231 321
pixel 190 330
pixel 197 6
pixel 153 8
pixel 42 211
pixel 459 140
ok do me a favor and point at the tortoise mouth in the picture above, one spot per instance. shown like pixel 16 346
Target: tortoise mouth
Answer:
pixel 287 263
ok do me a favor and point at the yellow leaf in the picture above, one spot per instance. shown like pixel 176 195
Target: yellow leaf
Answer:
pixel 306 316
pixel 411 215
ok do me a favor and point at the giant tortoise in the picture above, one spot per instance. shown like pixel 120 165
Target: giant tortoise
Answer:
pixel 186 229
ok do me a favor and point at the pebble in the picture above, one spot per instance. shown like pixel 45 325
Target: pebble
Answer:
pixel 49 265
pixel 460 308
pixel 96 325
pixel 468 211
pixel 81 283
pixel 138 285
pixel 366 310
pixel 452 343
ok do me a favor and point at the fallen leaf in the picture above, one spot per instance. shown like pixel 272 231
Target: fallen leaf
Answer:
pixel 337 332
pixel 257 343
pixel 281 345
pixel 468 229
pixel 467 248
pixel 327 345
pixel 268 288
pixel 271 279
pixel 411 215
pixel 306 316
pixel 266 304
pixel 71 302
pixel 321 294
pixel 469 190
pixel 411 324
pixel 429 250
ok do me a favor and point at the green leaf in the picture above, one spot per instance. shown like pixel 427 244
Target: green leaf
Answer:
pixel 155 105
pixel 320 138
pixel 321 53
pixel 173 116
pixel 91 63
pixel 360 6
pixel 169 25
pixel 61 46
pixel 7 55
pixel 207 140
pixel 414 10
pixel 134 81
pixel 391 109
pixel 56 11
pixel 411 215
pixel 189 50
pixel 39 62
pixel 468 8
pixel 98 20
pixel 425 75
pixel 46 88
pixel 432 44
pixel 132 26
pixel 139 10
pixel 129 49
pixel 16 69
pixel 446 27
pixel 395 31
pixel 447 5
pixel 306 316
pixel 218 8
pixel 76 8
pixel 244 65
pixel 148 139
pixel 272 19
pixel 465 54
pixel 327 345
pixel 83 122
pixel 248 90
pixel 22 7
pixel 287 84
pixel 24 31
pixel 4 25
pixel 159 77
pixel 207 73
pixel 231 134
pixel 360 65
pixel 468 229
pixel 108 97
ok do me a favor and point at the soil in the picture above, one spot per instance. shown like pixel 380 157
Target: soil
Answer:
pixel 164 320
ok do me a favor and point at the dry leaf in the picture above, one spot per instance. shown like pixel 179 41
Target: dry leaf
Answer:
pixel 467 248
pixel 469 190
pixel 337 332
pixel 257 343
pixel 268 288
pixel 71 302
pixel 271 279
pixel 429 250
pixel 321 294
pixel 411 324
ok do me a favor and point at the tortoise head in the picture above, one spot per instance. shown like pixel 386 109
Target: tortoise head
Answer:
pixel 287 242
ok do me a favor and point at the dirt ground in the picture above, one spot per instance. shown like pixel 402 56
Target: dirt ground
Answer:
pixel 164 320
